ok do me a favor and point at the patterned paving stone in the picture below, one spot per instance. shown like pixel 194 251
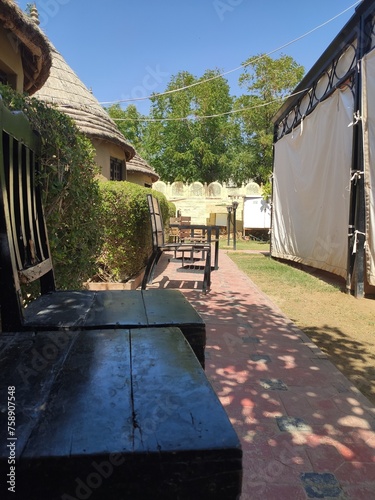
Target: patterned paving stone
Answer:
pixel 250 340
pixel 292 424
pixel 323 485
pixel 314 440
pixel 260 358
pixel 273 384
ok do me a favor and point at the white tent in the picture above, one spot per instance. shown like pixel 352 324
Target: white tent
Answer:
pixel 324 153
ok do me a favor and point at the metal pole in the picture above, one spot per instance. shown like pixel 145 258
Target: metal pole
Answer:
pixel 235 206
pixel 229 210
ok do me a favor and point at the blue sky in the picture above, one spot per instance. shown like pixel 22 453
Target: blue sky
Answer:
pixel 129 49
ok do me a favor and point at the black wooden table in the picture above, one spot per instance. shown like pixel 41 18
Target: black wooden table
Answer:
pixel 212 232
pixel 112 415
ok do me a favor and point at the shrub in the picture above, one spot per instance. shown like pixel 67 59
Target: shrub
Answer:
pixel 127 231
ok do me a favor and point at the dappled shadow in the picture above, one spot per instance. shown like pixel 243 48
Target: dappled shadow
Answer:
pixel 354 358
pixel 294 412
pixel 168 274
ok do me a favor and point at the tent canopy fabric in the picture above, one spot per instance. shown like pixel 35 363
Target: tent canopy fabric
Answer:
pixel 368 118
pixel 324 160
pixel 311 187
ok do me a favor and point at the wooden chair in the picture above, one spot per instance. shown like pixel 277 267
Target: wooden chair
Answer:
pixel 184 233
pixel 174 233
pixel 25 258
pixel 159 246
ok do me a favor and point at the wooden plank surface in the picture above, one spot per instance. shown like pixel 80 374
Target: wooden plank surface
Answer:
pixel 186 412
pixel 114 414
pixel 169 307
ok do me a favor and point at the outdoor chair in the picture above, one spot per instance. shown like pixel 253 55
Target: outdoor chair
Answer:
pixel 25 258
pixel 184 233
pixel 174 233
pixel 186 250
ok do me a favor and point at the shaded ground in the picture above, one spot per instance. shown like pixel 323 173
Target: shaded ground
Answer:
pixel 342 326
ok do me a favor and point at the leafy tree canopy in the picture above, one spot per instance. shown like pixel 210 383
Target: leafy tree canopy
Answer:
pixel 130 123
pixel 267 82
pixel 202 133
pixel 185 146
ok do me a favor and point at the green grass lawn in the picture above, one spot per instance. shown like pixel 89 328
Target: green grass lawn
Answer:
pixel 245 245
pixel 271 273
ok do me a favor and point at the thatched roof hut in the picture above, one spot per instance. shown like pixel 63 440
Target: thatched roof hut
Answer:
pixel 69 94
pixel 31 43
pixel 139 168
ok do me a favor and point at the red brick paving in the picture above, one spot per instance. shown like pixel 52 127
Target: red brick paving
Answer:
pixel 252 347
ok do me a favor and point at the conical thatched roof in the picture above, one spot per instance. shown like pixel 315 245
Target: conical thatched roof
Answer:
pixel 138 164
pixel 33 45
pixel 68 93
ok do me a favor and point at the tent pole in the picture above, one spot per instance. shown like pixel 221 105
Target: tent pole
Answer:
pixel 357 228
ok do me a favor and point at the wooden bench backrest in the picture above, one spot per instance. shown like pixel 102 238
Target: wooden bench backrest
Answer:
pixel 24 253
pixel 157 226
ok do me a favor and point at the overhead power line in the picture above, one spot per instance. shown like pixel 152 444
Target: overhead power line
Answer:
pixel 242 66
pixel 197 117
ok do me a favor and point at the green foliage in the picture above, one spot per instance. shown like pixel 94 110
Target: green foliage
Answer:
pixel 71 194
pixel 127 230
pixel 267 82
pixel 196 137
pixel 188 147
pixel 130 124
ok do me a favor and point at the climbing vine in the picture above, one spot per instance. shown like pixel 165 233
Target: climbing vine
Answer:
pixel 71 192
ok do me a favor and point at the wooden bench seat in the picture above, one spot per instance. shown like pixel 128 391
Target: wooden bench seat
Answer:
pixel 25 258
pixel 117 309
pixel 114 414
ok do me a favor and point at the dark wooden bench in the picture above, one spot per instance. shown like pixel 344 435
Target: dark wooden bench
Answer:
pixel 25 257
pixel 102 396
pixel 186 250
pixel 112 415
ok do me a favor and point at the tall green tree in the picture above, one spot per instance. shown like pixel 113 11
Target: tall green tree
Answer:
pixel 267 82
pixel 131 123
pixel 183 144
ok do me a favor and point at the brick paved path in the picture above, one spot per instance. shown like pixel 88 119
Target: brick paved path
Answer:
pixel 306 432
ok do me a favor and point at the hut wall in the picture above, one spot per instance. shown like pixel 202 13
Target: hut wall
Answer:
pixel 140 178
pixel 103 152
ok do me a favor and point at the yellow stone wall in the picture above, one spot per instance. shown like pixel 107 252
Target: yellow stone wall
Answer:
pixel 207 204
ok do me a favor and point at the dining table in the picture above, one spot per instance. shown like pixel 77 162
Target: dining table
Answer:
pixel 211 232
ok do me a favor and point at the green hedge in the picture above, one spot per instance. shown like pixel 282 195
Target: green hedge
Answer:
pixel 127 230
pixel 97 230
